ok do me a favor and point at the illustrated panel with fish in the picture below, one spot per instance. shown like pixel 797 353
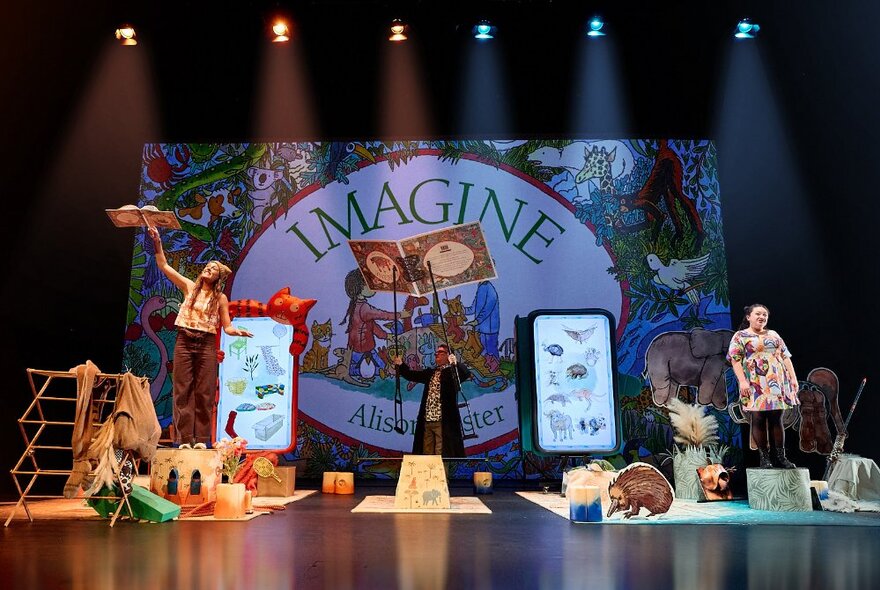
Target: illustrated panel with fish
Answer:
pixel 575 405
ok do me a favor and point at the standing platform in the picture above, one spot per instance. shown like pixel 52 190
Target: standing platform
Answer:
pixel 779 490
pixel 422 483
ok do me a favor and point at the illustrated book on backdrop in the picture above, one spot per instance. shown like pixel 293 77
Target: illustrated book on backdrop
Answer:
pixel 134 216
pixel 457 255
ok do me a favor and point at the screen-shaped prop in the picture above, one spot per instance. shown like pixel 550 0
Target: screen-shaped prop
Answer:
pixel 256 399
pixel 568 393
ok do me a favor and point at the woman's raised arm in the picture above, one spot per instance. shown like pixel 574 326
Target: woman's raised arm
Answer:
pixel 182 283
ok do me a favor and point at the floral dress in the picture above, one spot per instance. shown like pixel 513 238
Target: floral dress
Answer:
pixel 761 357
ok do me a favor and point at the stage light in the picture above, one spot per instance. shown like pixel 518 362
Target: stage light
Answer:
pixel 484 30
pixel 596 25
pixel 397 30
pixel 746 29
pixel 280 32
pixel 126 35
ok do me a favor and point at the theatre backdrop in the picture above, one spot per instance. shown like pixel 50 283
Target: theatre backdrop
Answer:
pixel 631 226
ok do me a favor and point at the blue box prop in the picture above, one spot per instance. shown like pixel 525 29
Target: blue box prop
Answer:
pixel 584 503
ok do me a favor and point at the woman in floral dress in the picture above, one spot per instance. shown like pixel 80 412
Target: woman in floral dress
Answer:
pixel 767 383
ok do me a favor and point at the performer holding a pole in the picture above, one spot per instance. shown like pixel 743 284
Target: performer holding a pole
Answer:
pixel 460 255
pixel 438 428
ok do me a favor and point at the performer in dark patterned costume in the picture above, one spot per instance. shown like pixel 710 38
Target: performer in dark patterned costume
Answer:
pixel 438 428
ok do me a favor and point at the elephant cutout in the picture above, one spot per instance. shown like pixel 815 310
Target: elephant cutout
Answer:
pixel 691 359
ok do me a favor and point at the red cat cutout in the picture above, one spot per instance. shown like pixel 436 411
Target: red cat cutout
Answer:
pixel 284 308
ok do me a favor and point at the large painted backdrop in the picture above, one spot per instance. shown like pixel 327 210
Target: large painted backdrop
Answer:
pixel 632 226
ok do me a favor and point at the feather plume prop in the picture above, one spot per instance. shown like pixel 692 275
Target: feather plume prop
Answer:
pixel 693 427
pixel 101 450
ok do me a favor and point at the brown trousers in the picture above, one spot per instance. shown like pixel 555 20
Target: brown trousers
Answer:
pixel 433 439
pixel 195 385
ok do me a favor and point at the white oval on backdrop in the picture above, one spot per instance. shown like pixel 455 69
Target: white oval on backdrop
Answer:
pixel 544 257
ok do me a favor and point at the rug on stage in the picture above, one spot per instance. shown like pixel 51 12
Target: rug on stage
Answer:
pixel 458 505
pixel 270 502
pixel 77 509
pixel 265 505
pixel 733 512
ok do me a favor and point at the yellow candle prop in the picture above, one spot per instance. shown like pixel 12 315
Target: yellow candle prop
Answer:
pixel 328 486
pixel 230 500
pixel 345 483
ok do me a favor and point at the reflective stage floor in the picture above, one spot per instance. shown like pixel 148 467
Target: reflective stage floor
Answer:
pixel 318 543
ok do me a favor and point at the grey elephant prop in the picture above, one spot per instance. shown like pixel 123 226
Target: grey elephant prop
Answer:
pixel 693 359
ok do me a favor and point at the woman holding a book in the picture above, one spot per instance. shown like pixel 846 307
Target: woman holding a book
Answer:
pixel 205 308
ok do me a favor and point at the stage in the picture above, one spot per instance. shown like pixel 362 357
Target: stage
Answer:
pixel 318 543
pixel 662 167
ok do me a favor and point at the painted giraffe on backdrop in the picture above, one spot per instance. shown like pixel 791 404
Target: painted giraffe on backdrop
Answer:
pixel 664 184
pixel 597 164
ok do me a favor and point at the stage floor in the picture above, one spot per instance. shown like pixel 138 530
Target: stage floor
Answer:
pixel 318 543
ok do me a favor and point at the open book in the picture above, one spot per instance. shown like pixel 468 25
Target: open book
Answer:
pixel 457 255
pixel 134 216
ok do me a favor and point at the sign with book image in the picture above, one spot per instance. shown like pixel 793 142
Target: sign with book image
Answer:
pixel 425 263
pixel 255 386
pixel 457 255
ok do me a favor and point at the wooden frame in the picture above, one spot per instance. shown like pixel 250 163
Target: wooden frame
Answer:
pixel 39 420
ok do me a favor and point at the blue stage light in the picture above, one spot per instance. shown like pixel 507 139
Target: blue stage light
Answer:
pixel 746 29
pixel 484 30
pixel 596 25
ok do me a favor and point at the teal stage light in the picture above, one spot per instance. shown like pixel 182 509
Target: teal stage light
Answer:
pixel 484 30
pixel 746 29
pixel 596 25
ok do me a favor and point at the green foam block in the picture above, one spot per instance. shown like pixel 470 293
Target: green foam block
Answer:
pixel 104 506
pixel 144 504
pixel 148 506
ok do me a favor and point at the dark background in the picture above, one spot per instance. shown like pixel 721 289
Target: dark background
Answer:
pixel 798 208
